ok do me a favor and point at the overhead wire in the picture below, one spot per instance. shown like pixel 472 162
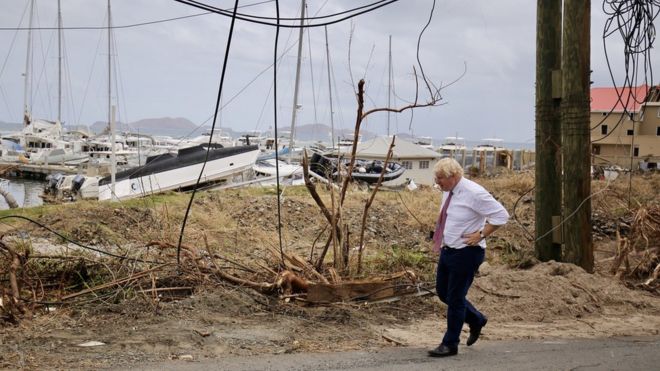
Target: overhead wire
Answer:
pixel 351 13
pixel 215 117
pixel 278 25
pixel 132 25
pixel 634 21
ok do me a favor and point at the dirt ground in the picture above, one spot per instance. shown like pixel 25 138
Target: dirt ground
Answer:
pixel 523 298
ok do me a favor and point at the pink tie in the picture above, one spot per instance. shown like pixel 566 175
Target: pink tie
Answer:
pixel 440 229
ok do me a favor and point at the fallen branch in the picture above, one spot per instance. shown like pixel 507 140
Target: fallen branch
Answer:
pixel 15 263
pixel 114 283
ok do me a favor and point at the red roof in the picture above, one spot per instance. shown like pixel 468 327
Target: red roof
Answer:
pixel 603 99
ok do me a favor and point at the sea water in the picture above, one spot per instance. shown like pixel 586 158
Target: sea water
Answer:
pixel 25 191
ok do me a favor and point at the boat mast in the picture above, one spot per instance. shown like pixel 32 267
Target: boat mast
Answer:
pixel 28 67
pixel 327 57
pixel 297 86
pixel 113 156
pixel 59 62
pixel 109 66
pixel 111 109
pixel 389 86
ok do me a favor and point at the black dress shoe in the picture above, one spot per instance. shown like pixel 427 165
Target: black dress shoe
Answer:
pixel 475 332
pixel 443 351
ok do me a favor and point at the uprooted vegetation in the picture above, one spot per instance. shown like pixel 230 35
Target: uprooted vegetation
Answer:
pixel 232 236
pixel 231 273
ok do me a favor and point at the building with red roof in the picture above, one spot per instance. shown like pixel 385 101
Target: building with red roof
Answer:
pixel 625 126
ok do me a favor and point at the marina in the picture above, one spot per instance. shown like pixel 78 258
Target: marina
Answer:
pixel 144 167
pixel 26 192
pixel 116 162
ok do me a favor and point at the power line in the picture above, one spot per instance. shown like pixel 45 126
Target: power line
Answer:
pixel 215 117
pixel 147 23
pixel 268 21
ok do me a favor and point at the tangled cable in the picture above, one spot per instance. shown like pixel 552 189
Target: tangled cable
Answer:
pixel 633 21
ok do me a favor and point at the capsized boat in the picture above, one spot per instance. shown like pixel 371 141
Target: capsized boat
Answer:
pixel 177 171
pixel 367 171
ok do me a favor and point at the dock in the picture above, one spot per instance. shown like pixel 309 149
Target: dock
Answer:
pixel 34 171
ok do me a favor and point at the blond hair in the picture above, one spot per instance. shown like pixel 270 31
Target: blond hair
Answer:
pixel 447 167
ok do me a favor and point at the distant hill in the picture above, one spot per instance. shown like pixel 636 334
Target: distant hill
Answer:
pixel 10 127
pixel 181 127
pixel 154 126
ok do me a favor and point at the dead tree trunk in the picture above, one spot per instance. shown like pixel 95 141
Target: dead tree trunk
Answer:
pixel 370 201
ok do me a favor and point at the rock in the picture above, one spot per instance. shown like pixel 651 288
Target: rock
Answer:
pixel 485 269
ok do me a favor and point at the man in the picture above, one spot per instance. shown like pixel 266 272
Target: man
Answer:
pixel 468 215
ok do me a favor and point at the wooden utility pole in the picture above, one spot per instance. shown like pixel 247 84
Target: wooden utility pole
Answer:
pixel 548 128
pixel 578 248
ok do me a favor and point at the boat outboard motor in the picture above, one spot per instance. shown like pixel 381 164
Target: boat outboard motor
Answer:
pixel 53 181
pixel 77 183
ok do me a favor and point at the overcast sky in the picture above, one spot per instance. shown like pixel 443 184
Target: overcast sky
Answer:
pixel 172 69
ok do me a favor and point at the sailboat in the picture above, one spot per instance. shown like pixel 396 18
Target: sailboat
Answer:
pixel 40 141
pixel 271 163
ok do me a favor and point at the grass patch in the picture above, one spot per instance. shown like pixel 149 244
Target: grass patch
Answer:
pixel 398 259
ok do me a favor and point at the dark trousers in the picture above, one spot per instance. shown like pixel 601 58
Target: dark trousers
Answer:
pixel 456 270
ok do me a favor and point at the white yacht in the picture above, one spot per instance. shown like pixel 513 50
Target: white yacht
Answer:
pixel 171 172
pixel 424 142
pixel 452 147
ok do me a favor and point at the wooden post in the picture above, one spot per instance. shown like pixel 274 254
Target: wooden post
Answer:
pixel 548 127
pixel 575 134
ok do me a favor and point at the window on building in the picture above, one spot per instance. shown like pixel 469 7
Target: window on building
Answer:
pixel 596 149
pixel 603 129
pixel 406 165
pixel 636 151
pixel 657 131
pixel 630 132
pixel 659 112
pixel 423 164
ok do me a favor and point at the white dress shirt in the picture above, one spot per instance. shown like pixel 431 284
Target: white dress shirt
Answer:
pixel 470 208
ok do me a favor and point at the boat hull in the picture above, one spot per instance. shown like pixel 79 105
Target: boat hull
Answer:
pixel 367 171
pixel 178 172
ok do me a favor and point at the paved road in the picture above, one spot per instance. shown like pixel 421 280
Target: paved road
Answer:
pixel 602 354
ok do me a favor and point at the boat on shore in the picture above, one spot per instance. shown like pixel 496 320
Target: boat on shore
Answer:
pixel 171 172
pixel 367 171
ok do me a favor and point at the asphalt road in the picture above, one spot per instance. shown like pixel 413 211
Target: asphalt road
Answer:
pixel 584 354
